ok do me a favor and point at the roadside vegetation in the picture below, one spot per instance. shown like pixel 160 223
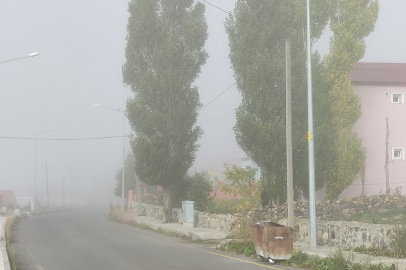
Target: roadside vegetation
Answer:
pixel 389 217
pixel 335 261
pixel 116 214
pixel 10 223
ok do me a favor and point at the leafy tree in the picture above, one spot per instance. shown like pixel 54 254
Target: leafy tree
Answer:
pixel 353 21
pixel 257 32
pixel 129 177
pixel 200 187
pixel 164 55
pixel 241 182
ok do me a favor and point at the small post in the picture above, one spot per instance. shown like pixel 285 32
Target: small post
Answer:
pixel 46 172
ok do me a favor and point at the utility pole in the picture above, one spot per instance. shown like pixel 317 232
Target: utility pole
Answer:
pixel 63 192
pixel 363 180
pixel 387 156
pixel 72 187
pixel 289 166
pixel 137 181
pixel 310 138
pixel 46 173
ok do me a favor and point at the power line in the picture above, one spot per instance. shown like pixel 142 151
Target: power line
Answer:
pixel 216 97
pixel 214 118
pixel 215 6
pixel 217 158
pixel 61 139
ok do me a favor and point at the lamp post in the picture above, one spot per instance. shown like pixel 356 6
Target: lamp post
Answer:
pixel 28 56
pixel 122 181
pixel 312 192
pixel 35 162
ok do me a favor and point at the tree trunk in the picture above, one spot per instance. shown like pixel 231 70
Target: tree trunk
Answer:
pixel 167 217
pixel 363 181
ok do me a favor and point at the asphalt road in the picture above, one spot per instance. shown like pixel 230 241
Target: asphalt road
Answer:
pixel 84 239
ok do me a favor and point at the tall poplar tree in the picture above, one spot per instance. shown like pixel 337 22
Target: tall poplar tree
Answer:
pixel 351 22
pixel 257 32
pixel 164 55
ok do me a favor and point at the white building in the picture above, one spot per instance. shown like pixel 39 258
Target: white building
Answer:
pixel 247 161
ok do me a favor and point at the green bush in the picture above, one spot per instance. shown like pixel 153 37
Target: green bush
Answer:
pixel 199 190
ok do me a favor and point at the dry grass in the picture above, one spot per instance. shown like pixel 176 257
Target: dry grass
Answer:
pixel 116 214
pixel 10 222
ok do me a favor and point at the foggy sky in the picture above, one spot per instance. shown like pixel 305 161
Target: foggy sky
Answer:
pixel 82 51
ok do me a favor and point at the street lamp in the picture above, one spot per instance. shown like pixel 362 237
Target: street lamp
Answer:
pixel 35 162
pixel 122 181
pixel 310 137
pixel 28 56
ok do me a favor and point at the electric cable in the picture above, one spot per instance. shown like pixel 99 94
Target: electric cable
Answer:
pixel 216 97
pixel 61 139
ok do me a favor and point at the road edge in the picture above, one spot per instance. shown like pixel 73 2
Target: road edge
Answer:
pixel 3 247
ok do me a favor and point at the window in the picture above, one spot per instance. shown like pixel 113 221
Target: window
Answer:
pixel 398 153
pixel 397 97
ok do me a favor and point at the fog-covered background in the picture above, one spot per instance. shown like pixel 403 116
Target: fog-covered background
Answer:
pixel 82 50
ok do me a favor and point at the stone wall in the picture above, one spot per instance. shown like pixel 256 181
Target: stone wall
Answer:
pixel 336 210
pixel 224 223
pixel 346 234
pixel 330 231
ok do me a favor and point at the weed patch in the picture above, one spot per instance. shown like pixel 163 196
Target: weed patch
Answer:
pixel 115 214
pixel 335 261
pixel 247 248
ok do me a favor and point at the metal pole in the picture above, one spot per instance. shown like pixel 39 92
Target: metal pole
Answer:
pixel 312 192
pixel 35 172
pixel 122 182
pixel 63 192
pixel 46 174
pixel 137 184
pixel 289 166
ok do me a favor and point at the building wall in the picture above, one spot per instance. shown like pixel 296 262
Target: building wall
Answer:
pixel 371 127
pixel 249 162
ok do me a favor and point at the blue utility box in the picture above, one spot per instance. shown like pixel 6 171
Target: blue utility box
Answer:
pixel 188 213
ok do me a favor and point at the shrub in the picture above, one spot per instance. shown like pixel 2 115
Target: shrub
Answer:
pixel 199 190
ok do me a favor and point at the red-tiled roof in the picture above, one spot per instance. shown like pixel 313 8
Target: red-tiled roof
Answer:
pixel 379 73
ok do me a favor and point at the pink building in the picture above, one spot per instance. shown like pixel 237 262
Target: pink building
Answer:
pixel 381 87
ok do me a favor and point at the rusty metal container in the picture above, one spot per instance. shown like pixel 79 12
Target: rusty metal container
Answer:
pixel 272 241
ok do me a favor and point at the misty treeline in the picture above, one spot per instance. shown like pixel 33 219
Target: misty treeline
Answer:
pixel 195 187
pixel 164 56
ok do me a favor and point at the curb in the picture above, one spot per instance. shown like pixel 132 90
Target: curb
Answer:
pixel 195 236
pixel 4 262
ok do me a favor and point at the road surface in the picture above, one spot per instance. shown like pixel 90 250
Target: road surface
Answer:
pixel 84 239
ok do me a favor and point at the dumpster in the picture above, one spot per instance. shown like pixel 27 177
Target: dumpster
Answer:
pixel 272 241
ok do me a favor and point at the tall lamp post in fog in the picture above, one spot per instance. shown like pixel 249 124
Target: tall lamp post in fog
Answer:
pixel 28 56
pixel 122 180
pixel 35 162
